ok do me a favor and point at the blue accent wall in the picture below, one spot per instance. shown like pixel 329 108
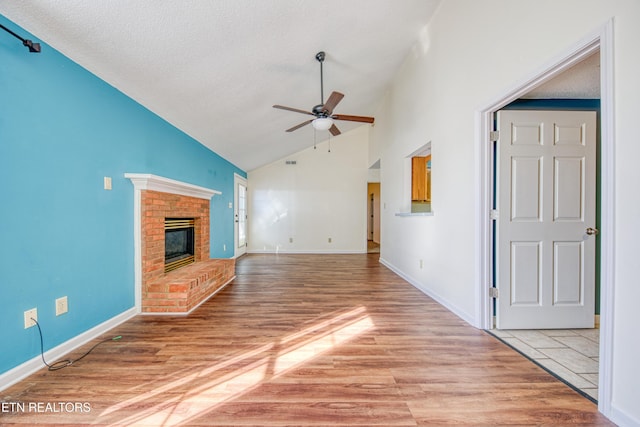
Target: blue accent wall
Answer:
pixel 62 130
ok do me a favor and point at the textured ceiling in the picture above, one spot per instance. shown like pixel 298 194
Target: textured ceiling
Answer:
pixel 582 81
pixel 214 68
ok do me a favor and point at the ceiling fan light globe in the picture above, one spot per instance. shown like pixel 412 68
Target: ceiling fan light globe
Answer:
pixel 322 123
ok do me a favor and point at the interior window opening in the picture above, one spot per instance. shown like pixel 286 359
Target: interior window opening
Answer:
pixel 421 180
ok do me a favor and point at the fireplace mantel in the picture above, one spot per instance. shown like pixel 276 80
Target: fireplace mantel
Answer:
pixel 145 181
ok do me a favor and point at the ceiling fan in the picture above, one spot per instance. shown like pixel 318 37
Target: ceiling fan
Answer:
pixel 323 112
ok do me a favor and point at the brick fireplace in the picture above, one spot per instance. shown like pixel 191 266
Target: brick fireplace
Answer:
pixel 181 290
pixel 155 207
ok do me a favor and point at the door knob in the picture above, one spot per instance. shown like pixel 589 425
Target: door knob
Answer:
pixel 592 231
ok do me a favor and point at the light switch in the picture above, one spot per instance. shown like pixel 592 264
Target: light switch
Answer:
pixel 107 183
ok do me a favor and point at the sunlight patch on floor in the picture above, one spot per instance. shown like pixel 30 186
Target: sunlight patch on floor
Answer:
pixel 242 373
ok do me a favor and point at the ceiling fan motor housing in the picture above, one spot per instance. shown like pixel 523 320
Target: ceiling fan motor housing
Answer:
pixel 320 111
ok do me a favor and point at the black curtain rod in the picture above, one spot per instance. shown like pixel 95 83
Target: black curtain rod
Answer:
pixel 33 47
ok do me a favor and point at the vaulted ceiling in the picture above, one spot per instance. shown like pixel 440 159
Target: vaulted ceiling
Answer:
pixel 214 68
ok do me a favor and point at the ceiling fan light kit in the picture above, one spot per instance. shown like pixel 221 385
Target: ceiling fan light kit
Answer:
pixel 323 112
pixel 322 123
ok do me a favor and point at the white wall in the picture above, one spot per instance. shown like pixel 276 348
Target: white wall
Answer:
pixel 471 53
pixel 322 196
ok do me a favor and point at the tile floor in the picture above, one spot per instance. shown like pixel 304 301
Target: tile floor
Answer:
pixel 571 354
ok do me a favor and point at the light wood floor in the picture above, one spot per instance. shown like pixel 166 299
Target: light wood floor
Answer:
pixel 332 340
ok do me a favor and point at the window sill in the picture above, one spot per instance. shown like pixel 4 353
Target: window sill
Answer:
pixel 404 214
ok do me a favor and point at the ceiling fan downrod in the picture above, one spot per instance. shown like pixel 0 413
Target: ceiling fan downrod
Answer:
pixel 320 58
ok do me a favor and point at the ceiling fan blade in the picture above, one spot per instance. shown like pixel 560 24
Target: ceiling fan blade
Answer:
pixel 295 110
pixel 334 130
pixel 299 126
pixel 362 119
pixel 333 100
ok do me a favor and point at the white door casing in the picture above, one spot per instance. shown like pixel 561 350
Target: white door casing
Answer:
pixel 546 202
pixel 240 216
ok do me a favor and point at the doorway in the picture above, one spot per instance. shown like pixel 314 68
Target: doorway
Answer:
pixel 240 216
pixel 373 217
pixel 601 41
pixel 545 257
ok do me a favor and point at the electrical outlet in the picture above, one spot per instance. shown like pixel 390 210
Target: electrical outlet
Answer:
pixel 224 247
pixel 329 239
pixel 28 315
pixel 290 239
pixel 107 183
pixel 61 306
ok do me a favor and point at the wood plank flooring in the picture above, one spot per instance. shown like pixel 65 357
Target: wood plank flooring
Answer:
pixel 297 340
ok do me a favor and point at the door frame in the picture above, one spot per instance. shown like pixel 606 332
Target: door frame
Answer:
pixel 373 211
pixel 237 180
pixel 370 219
pixel 601 39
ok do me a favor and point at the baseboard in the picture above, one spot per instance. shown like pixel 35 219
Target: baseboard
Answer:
pixel 31 366
pixel 309 251
pixel 440 300
pixel 186 313
pixel 621 418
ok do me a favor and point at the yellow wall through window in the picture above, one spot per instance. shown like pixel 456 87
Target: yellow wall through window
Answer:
pixel 421 183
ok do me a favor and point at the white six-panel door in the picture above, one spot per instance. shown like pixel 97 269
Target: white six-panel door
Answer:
pixel 546 203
